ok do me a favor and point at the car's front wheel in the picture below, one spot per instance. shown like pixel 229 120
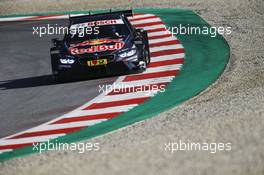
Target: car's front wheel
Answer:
pixel 145 61
pixel 147 57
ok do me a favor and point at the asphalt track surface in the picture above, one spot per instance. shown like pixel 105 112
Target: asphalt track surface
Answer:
pixel 28 94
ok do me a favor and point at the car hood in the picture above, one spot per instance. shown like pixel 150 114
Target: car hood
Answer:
pixel 99 47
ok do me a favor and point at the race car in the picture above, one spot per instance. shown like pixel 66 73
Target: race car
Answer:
pixel 98 45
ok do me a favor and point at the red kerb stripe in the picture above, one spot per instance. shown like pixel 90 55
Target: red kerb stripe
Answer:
pixel 166 52
pixel 151 75
pixel 14 146
pixel 143 18
pixel 88 117
pixel 160 36
pixel 116 103
pixel 47 132
pixel 148 24
pixel 156 30
pixel 165 43
pixel 166 62
pixel 41 17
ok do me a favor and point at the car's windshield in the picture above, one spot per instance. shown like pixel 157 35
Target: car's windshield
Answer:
pixel 114 28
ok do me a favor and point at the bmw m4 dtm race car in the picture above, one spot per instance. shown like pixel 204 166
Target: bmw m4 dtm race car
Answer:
pixel 98 45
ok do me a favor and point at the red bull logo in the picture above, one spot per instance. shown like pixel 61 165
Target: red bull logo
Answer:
pixel 96 42
pixel 97 48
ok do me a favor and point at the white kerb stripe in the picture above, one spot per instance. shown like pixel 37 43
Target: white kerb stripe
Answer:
pixel 144 21
pixel 167 57
pixel 168 47
pixel 126 96
pixel 29 139
pixel 100 111
pixel 5 150
pixel 147 81
pixel 67 125
pixel 163 68
pixel 15 18
pixel 158 33
pixel 153 41
pixel 158 26
pixel 140 16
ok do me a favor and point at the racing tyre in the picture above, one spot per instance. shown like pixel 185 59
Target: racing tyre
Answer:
pixel 147 57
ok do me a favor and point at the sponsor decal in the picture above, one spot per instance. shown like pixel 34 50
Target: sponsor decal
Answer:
pixel 97 48
pixel 97 23
pixel 96 42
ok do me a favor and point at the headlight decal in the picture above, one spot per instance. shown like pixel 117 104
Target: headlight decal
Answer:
pixel 67 61
pixel 128 53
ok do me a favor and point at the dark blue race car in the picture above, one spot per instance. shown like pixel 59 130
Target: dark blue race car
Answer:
pixel 98 45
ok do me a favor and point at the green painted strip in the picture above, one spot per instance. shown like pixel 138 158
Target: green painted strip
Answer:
pixel 205 60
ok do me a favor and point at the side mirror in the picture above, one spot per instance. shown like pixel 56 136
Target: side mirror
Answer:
pixel 55 41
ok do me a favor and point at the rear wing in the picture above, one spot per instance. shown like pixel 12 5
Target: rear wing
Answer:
pixel 125 13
